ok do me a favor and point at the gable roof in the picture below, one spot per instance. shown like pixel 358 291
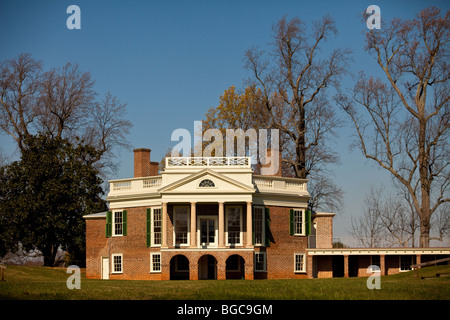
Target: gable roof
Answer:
pixel 207 172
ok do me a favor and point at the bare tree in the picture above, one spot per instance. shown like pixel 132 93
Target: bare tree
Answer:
pixel 368 229
pixel 387 221
pixel 60 102
pixel 405 128
pixel 291 83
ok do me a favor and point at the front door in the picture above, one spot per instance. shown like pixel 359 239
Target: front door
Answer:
pixel 208 231
pixel 105 268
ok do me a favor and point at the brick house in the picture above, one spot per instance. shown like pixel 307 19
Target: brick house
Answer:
pixel 213 218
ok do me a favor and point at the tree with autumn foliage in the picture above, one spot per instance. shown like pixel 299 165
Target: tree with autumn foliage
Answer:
pixel 289 90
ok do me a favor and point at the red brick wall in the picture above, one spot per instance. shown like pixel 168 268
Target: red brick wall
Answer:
pixel 280 254
pixel 324 231
pixel 136 255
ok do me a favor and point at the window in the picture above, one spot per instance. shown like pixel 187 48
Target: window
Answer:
pixel 117 260
pixel 206 183
pixel 157 227
pixel 258 223
pixel 260 261
pixel 181 222
pixel 234 225
pixel 406 262
pixel 118 223
pixel 155 262
pixel 298 222
pixel 299 262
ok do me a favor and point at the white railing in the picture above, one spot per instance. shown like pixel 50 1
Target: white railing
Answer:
pixel 279 183
pixel 152 183
pixel 135 184
pixel 176 162
pixel 263 183
pixel 294 185
pixel 122 185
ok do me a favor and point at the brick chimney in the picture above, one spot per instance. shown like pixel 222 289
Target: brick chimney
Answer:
pixel 141 162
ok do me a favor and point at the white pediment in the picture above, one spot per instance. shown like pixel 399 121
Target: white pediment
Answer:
pixel 207 181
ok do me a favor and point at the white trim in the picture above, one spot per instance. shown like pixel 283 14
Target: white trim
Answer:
pixel 206 250
pixel 264 269
pixel 104 265
pixel 188 225
pixel 152 232
pixel 303 254
pixel 376 251
pixel 112 263
pixel 113 223
pixel 216 231
pixel 240 225
pixel 303 221
pixel 151 262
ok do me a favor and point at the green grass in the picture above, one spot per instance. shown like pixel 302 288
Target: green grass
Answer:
pixel 23 282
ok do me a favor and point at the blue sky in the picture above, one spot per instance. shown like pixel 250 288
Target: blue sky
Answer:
pixel 171 60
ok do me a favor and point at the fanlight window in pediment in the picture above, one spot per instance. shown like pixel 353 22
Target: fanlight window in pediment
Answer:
pixel 206 183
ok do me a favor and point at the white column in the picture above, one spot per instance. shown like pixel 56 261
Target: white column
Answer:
pixel 164 225
pixel 249 225
pixel 193 224
pixel 221 226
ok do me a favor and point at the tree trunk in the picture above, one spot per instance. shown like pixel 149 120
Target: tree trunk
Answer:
pixel 424 240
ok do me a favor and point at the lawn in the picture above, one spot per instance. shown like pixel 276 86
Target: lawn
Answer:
pixel 34 283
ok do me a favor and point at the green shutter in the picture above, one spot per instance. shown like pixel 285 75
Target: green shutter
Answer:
pixel 124 222
pixel 308 222
pixel 108 226
pixel 149 219
pixel 267 227
pixel 291 222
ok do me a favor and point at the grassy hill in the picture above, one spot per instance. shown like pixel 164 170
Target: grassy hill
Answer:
pixel 42 283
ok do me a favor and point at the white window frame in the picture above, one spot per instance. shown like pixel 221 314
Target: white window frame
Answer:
pixel 263 229
pixel 240 225
pixel 114 223
pixel 264 269
pixel 303 270
pixel 216 230
pixel 302 211
pixel 188 226
pixel 152 221
pixel 113 270
pixel 153 254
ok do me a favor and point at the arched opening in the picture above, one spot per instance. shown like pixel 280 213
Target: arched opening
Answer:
pixel 235 267
pixel 179 268
pixel 207 268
